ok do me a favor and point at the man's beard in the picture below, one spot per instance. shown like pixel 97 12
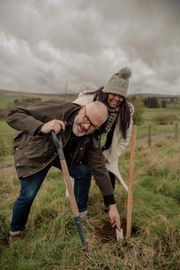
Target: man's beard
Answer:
pixel 76 132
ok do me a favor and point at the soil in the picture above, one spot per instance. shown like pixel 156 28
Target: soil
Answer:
pixel 6 170
pixel 106 234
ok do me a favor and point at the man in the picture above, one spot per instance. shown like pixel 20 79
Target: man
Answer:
pixel 35 152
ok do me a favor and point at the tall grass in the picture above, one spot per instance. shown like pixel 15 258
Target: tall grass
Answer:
pixel 6 139
pixel 51 240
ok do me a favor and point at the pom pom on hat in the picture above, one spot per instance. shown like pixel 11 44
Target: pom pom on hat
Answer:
pixel 119 82
pixel 124 73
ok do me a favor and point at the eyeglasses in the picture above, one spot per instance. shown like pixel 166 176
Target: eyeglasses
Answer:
pixel 86 120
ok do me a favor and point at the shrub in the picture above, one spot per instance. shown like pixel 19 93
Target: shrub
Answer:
pixel 151 102
pixel 27 100
pixel 138 110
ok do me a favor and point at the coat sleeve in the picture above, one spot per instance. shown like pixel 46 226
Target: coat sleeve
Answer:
pixel 96 162
pixel 31 118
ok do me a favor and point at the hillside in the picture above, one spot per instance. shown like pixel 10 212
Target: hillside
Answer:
pixel 167 96
pixel 19 93
pixel 8 98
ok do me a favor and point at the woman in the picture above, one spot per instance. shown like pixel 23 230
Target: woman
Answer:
pixel 115 133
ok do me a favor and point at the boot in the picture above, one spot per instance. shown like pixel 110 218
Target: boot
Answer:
pixel 15 236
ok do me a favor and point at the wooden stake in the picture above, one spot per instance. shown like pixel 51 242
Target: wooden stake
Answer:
pixel 68 184
pixel 176 132
pixel 149 135
pixel 130 181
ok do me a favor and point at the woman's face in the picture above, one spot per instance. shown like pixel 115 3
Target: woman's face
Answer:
pixel 114 100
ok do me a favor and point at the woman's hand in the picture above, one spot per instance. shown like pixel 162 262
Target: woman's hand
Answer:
pixel 114 216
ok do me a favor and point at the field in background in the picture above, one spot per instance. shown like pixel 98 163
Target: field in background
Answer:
pixel 151 117
pixel 7 97
pixel 171 116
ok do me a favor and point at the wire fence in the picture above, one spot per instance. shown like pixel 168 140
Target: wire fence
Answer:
pixel 150 135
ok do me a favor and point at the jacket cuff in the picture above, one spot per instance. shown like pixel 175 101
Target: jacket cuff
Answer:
pixel 109 199
pixel 38 130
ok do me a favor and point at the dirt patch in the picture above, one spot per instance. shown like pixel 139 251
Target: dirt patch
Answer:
pixel 6 170
pixel 106 234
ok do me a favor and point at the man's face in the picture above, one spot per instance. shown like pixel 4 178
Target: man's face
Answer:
pixel 85 122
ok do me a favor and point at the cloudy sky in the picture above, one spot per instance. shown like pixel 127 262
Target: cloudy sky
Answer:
pixel 46 43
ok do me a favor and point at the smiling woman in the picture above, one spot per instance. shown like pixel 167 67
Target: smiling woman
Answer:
pixel 116 131
pixel 114 100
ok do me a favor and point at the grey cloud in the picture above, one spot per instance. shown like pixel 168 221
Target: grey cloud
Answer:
pixel 45 43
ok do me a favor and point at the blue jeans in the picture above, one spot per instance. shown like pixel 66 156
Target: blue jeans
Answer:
pixel 82 181
pixel 30 187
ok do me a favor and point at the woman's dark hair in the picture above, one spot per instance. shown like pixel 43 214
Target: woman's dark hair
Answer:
pixel 124 110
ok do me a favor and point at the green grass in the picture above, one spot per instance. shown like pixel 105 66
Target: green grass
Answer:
pixel 151 113
pixel 150 116
pixel 6 101
pixel 165 130
pixel 6 140
pixel 51 240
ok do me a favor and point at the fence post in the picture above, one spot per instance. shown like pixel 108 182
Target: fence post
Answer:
pixel 149 135
pixel 176 132
pixel 130 182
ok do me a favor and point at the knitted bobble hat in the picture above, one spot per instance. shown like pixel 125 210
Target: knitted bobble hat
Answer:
pixel 119 82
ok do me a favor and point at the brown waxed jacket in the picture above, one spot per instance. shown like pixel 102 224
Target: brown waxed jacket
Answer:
pixel 34 152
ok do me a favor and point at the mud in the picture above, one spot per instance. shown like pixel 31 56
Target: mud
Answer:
pixel 106 234
pixel 6 170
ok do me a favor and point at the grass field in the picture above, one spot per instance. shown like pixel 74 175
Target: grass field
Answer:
pixel 149 114
pixel 8 101
pixel 7 98
pixel 51 240
pixel 6 140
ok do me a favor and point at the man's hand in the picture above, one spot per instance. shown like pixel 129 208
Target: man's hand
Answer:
pixel 114 216
pixel 53 125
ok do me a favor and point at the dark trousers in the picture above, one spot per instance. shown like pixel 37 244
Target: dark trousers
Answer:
pixel 31 185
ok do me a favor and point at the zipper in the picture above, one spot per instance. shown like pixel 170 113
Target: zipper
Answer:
pixel 78 148
pixel 75 154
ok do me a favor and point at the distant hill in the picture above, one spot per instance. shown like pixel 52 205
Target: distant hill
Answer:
pixel 67 97
pixel 154 95
pixel 73 96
